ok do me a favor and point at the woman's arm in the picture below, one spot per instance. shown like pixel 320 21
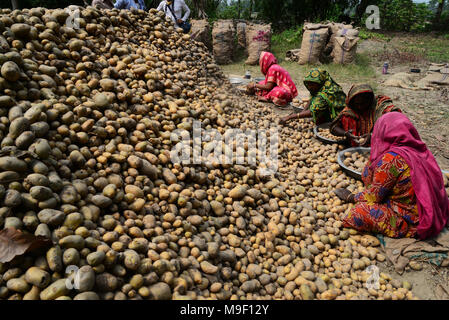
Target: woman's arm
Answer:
pixel 267 87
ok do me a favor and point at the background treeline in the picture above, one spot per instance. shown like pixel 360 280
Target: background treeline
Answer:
pixel 396 15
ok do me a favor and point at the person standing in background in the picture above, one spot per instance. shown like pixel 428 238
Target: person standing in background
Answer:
pixel 173 9
pixel 128 4
pixel 103 4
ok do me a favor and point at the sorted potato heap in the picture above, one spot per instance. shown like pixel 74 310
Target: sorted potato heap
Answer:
pixel 87 118
pixel 304 252
pixel 325 133
pixel 355 160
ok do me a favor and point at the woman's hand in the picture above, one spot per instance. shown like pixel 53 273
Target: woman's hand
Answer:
pixel 345 195
pixel 250 88
pixel 348 134
pixel 288 118
pixel 365 140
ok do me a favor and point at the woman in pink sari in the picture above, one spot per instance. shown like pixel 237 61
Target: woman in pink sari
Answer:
pixel 278 86
pixel 405 195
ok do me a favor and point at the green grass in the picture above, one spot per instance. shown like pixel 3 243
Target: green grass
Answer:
pixel 435 49
pixel 366 34
pixel 287 40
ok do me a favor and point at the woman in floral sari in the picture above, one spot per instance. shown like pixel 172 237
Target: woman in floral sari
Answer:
pixel 363 109
pixel 327 98
pixel 404 195
pixel 278 86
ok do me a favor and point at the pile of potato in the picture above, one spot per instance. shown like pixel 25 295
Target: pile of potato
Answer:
pixel 325 133
pixel 86 122
pixel 355 160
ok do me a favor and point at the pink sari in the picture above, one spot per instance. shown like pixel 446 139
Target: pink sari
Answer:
pixel 394 132
pixel 285 89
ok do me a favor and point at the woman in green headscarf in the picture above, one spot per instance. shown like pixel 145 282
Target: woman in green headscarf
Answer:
pixel 327 98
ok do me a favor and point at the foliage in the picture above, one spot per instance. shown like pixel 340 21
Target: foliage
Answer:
pixel 404 15
pixel 367 34
pixel 286 40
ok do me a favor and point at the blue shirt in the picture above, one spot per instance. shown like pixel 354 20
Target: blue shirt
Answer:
pixel 128 4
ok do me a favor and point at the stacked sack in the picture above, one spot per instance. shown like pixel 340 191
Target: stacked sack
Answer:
pixel 241 35
pixel 258 39
pixel 201 32
pixel 223 41
pixel 315 38
pixel 344 43
pixel 335 42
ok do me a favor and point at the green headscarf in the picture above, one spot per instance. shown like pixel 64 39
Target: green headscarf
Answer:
pixel 329 101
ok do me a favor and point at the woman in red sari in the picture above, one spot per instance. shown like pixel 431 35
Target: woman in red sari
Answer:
pixel 404 195
pixel 363 108
pixel 278 86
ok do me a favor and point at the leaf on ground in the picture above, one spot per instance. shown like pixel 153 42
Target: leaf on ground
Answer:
pixel 14 243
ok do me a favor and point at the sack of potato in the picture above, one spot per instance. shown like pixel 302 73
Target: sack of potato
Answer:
pixel 241 35
pixel 223 34
pixel 314 40
pixel 200 31
pixel 345 49
pixel 258 39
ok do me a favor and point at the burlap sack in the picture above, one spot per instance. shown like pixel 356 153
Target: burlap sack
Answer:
pixel 314 26
pixel 223 41
pixel 436 67
pixel 334 28
pixel 433 79
pixel 348 32
pixel 313 43
pixel 241 35
pixel 345 49
pixel 258 39
pixel 201 32
pixel 292 55
pixel 400 80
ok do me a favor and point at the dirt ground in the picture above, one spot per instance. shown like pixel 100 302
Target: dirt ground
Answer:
pixel 429 112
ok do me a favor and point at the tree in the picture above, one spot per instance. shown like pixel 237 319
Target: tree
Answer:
pixel 240 8
pixel 440 8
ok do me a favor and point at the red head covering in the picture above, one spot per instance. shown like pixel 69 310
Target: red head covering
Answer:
pixel 394 132
pixel 266 60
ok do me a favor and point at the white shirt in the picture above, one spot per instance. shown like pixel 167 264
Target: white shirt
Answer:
pixel 179 5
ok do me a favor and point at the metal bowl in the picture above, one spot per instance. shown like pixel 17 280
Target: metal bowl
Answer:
pixel 237 81
pixel 341 158
pixel 323 139
pixel 297 109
